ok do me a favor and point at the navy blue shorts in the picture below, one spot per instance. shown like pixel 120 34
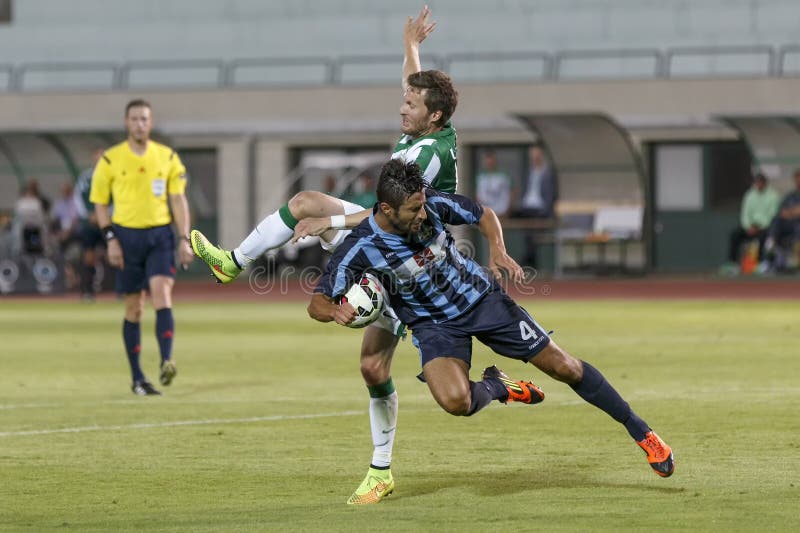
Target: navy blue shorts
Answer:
pixel 496 320
pixel 146 253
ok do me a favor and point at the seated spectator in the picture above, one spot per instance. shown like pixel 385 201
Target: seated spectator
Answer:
pixel 783 239
pixel 66 216
pixel 30 222
pixel 759 206
pixel 493 186
pixel 33 184
pixel 6 234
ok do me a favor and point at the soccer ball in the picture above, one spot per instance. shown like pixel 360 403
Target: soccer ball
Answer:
pixel 366 296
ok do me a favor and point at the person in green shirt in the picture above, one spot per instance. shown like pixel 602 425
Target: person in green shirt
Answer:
pixel 363 191
pixel 759 207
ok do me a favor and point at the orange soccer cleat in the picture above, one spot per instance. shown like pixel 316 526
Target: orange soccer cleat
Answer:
pixel 518 391
pixel 659 454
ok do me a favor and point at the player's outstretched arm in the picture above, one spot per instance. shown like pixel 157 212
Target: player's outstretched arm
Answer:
pixel 415 31
pixel 323 309
pixel 499 260
pixel 314 226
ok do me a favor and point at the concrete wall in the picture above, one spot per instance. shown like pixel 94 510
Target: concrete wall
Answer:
pixel 255 130
pixel 79 30
pixel 361 112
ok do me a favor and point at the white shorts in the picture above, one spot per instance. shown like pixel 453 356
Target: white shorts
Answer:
pixel 333 244
pixel 389 321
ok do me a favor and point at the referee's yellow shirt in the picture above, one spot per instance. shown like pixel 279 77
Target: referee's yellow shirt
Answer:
pixel 138 185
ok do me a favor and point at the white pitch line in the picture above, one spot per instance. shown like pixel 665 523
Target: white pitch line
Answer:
pixel 177 423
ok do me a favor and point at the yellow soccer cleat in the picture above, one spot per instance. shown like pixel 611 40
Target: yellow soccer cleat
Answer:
pixel 218 260
pixel 376 486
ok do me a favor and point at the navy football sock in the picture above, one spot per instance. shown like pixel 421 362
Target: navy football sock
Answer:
pixel 483 392
pixel 132 334
pixel 165 329
pixel 597 391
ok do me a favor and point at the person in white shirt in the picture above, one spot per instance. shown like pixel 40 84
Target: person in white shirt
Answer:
pixel 493 185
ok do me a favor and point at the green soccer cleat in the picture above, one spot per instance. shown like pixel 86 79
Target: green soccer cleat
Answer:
pixel 218 260
pixel 376 486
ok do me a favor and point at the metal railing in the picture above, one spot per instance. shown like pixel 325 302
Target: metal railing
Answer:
pixel 612 64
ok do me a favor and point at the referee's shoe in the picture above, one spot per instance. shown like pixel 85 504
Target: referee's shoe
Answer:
pixel 144 388
pixel 168 372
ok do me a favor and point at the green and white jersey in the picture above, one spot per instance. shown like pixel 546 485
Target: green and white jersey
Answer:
pixel 436 155
pixel 83 186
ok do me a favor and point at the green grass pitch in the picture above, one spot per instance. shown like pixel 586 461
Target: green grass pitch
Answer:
pixel 266 427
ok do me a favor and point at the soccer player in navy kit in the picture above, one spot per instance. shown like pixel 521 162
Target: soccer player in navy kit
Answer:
pixel 446 299
pixel 429 139
pixel 145 181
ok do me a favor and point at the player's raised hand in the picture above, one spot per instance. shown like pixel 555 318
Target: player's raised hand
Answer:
pixel 309 227
pixel 501 262
pixel 416 30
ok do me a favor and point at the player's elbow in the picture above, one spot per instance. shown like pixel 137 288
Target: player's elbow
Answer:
pixel 312 312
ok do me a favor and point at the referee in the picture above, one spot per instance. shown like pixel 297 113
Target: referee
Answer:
pixel 144 180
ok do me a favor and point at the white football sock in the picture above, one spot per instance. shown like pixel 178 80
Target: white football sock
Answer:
pixel 383 421
pixel 270 233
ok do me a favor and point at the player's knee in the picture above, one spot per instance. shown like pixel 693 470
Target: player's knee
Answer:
pixel 559 365
pixel 567 369
pixel 459 407
pixel 456 405
pixel 133 313
pixel 374 370
pixel 300 204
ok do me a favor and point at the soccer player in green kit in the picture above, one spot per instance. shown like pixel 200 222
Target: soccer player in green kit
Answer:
pixel 429 139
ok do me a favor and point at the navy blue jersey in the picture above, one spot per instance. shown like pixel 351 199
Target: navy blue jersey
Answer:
pixel 425 275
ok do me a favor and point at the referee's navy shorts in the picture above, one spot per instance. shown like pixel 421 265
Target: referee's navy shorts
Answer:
pixel 146 253
pixel 496 320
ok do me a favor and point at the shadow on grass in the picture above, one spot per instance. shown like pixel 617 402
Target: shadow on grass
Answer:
pixel 516 481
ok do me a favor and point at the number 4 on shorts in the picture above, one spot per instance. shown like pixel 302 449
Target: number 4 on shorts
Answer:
pixel 526 331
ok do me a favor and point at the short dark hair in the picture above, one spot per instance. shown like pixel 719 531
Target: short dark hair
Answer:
pixel 398 181
pixel 138 102
pixel 440 94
